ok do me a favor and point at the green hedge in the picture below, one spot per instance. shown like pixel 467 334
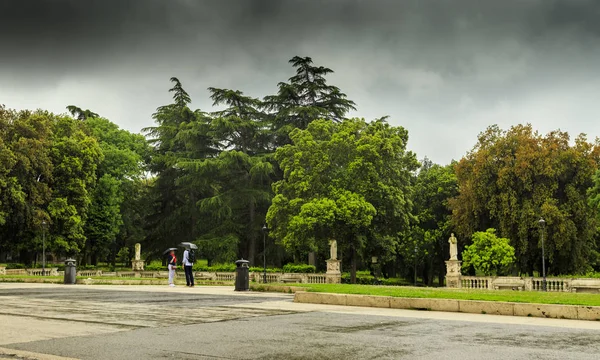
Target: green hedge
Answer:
pixel 299 268
pixel 15 266
pixel 269 270
pixel 365 278
pixel 215 268
pixel 155 265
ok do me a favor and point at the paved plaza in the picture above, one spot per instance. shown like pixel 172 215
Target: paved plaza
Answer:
pixel 43 321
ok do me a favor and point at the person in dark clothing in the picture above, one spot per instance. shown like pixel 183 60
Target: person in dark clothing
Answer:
pixel 187 266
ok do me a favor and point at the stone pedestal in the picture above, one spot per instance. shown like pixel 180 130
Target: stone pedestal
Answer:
pixel 333 274
pixel 137 265
pixel 453 274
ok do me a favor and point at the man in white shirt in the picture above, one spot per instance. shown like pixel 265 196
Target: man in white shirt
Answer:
pixel 187 266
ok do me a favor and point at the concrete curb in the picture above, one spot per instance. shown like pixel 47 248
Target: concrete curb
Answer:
pixel 573 312
pixel 27 355
pixel 276 288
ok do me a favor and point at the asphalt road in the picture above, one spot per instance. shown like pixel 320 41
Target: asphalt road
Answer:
pixel 221 326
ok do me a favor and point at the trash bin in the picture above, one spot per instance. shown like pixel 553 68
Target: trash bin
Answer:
pixel 242 275
pixel 70 272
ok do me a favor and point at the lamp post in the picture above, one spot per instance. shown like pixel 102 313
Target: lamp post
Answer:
pixel 43 247
pixel 542 223
pixel 265 229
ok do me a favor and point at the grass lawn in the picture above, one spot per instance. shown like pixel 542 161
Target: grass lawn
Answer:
pixel 563 298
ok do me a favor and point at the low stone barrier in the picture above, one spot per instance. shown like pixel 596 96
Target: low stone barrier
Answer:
pixel 2 270
pixel 530 284
pixel 574 312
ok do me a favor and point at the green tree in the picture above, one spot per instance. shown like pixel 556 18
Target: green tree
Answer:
pixel 306 97
pixel 75 156
pixel 124 160
pixel 512 178
pixel 180 135
pixel 26 173
pixel 434 185
pixel 80 114
pixel 489 254
pixel 347 181
pixel 239 191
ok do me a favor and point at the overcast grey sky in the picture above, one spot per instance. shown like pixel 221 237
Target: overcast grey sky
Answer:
pixel 445 70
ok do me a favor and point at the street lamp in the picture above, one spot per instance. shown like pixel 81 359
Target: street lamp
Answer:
pixel 542 223
pixel 265 229
pixel 43 247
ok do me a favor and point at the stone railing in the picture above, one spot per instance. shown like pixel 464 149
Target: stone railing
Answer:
pixel 39 272
pixel 199 275
pixel 89 273
pixel 530 284
pixel 2 270
pixel 31 272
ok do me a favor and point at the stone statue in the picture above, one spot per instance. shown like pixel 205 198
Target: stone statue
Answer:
pixel 333 250
pixel 453 247
pixel 138 250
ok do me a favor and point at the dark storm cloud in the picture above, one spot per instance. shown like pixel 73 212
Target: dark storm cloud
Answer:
pixel 457 66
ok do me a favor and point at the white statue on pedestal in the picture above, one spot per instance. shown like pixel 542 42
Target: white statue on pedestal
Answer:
pixel 333 250
pixel 453 247
pixel 138 251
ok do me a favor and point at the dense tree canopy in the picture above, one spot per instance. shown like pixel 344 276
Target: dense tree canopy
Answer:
pixel 514 177
pixel 68 174
pixel 347 181
pixel 433 186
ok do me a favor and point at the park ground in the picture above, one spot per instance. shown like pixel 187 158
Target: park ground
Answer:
pixel 50 321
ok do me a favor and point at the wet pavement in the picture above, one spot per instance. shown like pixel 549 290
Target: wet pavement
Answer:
pixel 216 323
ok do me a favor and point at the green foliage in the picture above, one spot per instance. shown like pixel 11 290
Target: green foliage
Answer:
pixel 365 278
pixel 214 268
pixel 81 114
pixel 15 266
pixel 269 270
pixel 305 98
pixel 299 268
pixel 489 254
pixel 123 255
pixel 512 178
pixel 156 265
pixel 348 181
pixel 434 185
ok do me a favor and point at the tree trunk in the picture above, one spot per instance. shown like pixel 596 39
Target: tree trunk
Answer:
pixel 353 266
pixel 252 236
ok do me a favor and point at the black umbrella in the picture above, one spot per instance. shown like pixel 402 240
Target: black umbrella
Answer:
pixel 189 245
pixel 169 250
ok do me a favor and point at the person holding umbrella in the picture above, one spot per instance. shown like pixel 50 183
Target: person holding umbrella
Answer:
pixel 188 262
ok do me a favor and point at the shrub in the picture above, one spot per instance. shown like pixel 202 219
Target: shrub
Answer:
pixel 155 265
pixel 489 254
pixel 269 270
pixel 214 268
pixel 299 268
pixel 15 266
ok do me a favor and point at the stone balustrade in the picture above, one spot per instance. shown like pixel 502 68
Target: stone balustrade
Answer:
pixel 31 272
pixel 531 284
